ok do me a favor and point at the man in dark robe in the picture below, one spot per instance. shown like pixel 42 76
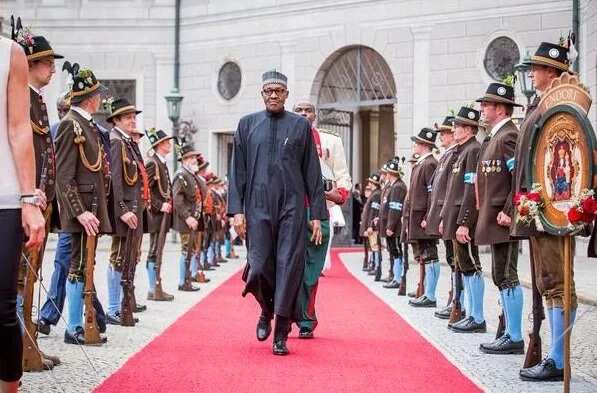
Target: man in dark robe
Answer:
pixel 275 175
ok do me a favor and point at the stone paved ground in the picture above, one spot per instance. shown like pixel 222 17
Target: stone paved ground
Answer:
pixel 76 375
pixel 494 373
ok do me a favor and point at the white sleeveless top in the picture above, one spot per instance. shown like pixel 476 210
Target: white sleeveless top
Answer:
pixel 9 184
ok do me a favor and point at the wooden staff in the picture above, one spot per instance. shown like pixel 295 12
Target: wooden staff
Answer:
pixel 567 306
pixel 164 228
pixel 92 335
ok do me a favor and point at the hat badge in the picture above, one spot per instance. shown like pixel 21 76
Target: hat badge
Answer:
pixel 554 53
pixel 429 135
pixel 471 115
pixel 501 90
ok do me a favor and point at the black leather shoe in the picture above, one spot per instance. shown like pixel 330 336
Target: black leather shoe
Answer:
pixel 78 338
pixel 188 289
pixel 371 272
pixel 444 313
pixel 113 319
pixel 279 348
pixel 305 333
pixel 470 326
pixel 412 294
pixel 544 371
pixel 264 327
pixel 423 302
pixel 463 321
pixel 378 275
pixel 140 308
pixel 43 327
pixel 503 346
pixel 388 279
pixel 392 285
pixel 206 267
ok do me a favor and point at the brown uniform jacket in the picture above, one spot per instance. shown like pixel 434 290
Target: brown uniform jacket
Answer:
pixel 371 210
pixel 405 211
pixel 494 184
pixel 45 157
pixel 438 190
pixel 419 196
pixel 395 207
pixel 384 198
pixel 84 172
pixel 161 192
pixel 188 200
pixel 519 179
pixel 127 182
pixel 460 206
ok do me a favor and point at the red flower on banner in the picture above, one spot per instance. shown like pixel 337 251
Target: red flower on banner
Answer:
pixel 583 210
pixel 534 196
pixel 574 215
pixel 589 205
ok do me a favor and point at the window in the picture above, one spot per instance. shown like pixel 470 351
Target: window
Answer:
pixel 501 56
pixel 229 79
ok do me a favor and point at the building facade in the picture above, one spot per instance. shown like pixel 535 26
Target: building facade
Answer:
pixel 378 69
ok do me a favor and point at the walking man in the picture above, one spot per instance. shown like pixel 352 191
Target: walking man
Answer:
pixel 275 170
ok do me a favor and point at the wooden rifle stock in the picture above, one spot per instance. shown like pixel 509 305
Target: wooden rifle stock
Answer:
pixel 92 335
pixel 164 229
pixel 130 259
pixel 501 329
pixel 187 260
pixel 402 288
pixel 456 313
pixel 533 355
pixel 421 284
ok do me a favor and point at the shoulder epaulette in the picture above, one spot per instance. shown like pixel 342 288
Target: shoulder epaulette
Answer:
pixel 330 132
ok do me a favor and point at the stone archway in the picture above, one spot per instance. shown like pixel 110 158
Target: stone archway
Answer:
pixel 356 96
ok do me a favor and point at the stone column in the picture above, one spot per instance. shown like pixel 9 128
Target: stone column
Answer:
pixel 421 73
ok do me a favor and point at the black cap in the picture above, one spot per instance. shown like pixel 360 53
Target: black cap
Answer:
pixel 551 55
pixel 85 83
pixel 468 116
pixel 426 136
pixel 375 178
pixel 120 106
pixel 499 93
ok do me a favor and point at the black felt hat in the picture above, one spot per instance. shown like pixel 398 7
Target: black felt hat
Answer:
pixel 499 93
pixel 120 106
pixel 468 116
pixel 186 150
pixel 375 178
pixel 156 136
pixel 85 83
pixel 447 125
pixel 393 167
pixel 35 47
pixel 551 55
pixel 426 136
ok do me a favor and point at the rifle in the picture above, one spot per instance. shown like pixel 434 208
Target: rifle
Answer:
pixel 533 355
pixel 131 247
pixel 32 359
pixel 164 229
pixel 501 329
pixel 456 313
pixel 421 283
pixel 92 335
pixel 402 288
pixel 187 261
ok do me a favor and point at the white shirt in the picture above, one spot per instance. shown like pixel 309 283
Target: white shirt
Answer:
pixel 499 125
pixel 123 134
pixel 162 159
pixel 86 115
pixel 38 91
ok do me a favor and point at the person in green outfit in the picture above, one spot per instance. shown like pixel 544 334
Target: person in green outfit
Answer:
pixel 337 185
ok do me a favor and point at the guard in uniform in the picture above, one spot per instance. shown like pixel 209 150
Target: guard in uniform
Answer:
pixel 392 206
pixel 130 193
pixel 419 196
pixel 40 57
pixel 494 193
pixel 438 193
pixel 368 255
pixel 414 158
pixel 380 224
pixel 371 215
pixel 161 203
pixel 188 207
pixel 547 64
pixel 459 219
pixel 83 187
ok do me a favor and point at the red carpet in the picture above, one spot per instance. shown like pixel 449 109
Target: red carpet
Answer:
pixel 361 346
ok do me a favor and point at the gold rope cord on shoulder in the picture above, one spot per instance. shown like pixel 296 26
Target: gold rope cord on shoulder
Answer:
pixel 39 130
pixel 130 180
pixel 165 195
pixel 80 140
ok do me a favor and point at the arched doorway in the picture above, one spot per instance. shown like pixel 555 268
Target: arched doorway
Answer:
pixel 356 95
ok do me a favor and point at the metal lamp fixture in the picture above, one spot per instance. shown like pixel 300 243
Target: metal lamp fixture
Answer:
pixel 522 75
pixel 174 100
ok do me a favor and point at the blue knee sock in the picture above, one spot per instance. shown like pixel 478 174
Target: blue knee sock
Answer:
pixel 210 254
pixel 397 269
pixel 468 300
pixel 557 345
pixel 462 305
pixel 477 284
pixel 431 279
pixel 549 313
pixel 228 246
pixel 114 291
pixel 194 265
pixel 377 259
pixel 181 270
pixel 151 275
pixel 74 294
pixel 513 302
